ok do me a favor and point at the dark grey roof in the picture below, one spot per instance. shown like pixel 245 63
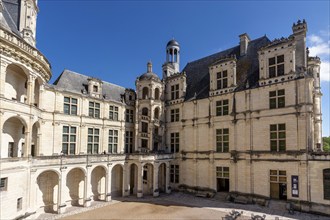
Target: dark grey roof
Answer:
pixel 75 82
pixel 247 69
pixel 172 43
pixel 149 76
pixel 10 19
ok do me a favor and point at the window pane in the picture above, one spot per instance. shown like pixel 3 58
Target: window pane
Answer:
pixel 280 59
pixel 66 109
pixel 273 135
pixel 272 103
pixel 281 127
pixel 73 130
pixel 272 93
pixel 281 102
pixel 73 109
pixel 273 172
pixel 96 131
pixel 273 127
pixel 272 72
pixel 281 92
pixel 90 130
pixel 280 70
pixel 91 104
pixel 74 101
pixel 66 129
pixel 72 148
pixel 97 105
pixel 65 148
pixel 281 134
pixel 271 61
pixel 72 138
pixel 273 145
pixel 226 131
pixel 65 138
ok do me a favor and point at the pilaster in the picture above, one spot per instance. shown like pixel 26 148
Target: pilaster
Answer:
pixel 61 192
pixel 168 188
pixel 88 186
pixel 3 68
pixel 155 181
pixel 108 183
pixel 140 181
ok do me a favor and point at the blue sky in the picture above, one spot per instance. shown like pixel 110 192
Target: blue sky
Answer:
pixel 113 40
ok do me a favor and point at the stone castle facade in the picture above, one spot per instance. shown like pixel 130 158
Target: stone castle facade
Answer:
pixel 246 121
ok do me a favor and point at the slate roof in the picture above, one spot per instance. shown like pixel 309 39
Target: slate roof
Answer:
pixel 76 83
pixel 247 69
pixel 10 16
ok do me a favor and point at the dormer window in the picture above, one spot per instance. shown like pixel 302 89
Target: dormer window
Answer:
pixel 95 88
pixel 175 91
pixel 222 79
pixel 276 66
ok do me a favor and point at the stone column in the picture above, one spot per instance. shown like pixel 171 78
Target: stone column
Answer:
pixel 27 142
pixel 32 188
pixel 88 186
pixel 126 180
pixel 140 181
pixel 167 185
pixel 108 183
pixel 155 181
pixel 3 68
pixel 30 89
pixel 61 192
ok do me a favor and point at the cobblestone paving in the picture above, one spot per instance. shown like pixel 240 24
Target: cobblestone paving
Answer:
pixel 275 211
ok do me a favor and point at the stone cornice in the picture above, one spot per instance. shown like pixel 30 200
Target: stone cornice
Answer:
pixel 21 51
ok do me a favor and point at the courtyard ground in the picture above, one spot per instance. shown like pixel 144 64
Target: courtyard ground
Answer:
pixel 178 206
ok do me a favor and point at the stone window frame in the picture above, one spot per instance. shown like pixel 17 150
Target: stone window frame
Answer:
pixel 277 99
pixel 70 106
pixel 222 172
pixel 222 107
pixel 3 183
pixel 113 141
pixel 175 115
pixel 222 79
pixel 222 140
pixel 128 141
pixel 277 137
pixel 113 112
pixel 276 66
pixel 175 142
pixel 70 133
pixel 277 176
pixel 174 173
pixel 94 109
pixel 93 140
pixel 95 88
pixel 129 115
pixel 175 89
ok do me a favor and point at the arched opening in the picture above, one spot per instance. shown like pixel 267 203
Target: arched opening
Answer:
pixel 326 184
pixel 156 113
pixel 148 176
pixel 48 183
pixel 35 139
pixel 117 181
pixel 133 179
pixel 145 111
pixel 36 93
pixel 145 93
pixel 98 183
pixel 13 138
pixel 16 83
pixel 162 178
pixel 157 94
pixel 75 181
pixel 175 55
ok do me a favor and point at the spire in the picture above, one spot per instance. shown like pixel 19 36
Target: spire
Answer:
pixel 149 67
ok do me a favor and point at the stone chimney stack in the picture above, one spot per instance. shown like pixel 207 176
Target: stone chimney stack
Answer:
pixel 244 40
pixel 299 30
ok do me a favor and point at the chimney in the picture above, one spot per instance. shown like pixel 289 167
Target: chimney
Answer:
pixel 244 40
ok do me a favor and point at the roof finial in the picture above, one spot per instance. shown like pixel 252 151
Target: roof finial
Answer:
pixel 149 67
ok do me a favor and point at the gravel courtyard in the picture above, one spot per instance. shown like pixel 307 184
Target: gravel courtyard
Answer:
pixel 178 206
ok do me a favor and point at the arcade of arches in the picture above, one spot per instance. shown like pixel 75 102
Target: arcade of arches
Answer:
pixel 57 189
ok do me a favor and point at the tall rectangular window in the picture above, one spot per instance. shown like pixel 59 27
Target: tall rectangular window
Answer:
pixel 144 127
pixel 175 115
pixel 277 137
pixel 70 106
pixel 113 113
pixel 94 110
pixel 113 141
pixel 69 137
pixel 175 142
pixel 277 99
pixel 129 115
pixel 175 91
pixel 129 141
pixel 222 79
pixel 174 173
pixel 222 140
pixel 222 107
pixel 276 66
pixel 19 204
pixel 93 140
pixel 3 184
